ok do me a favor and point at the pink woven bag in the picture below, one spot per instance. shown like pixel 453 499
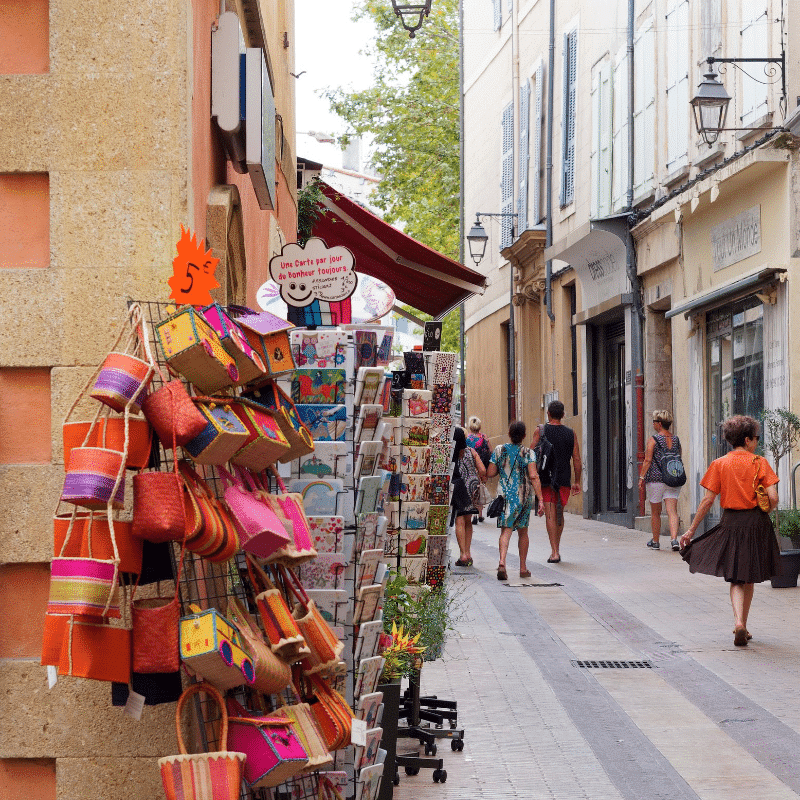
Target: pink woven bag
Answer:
pixel 260 530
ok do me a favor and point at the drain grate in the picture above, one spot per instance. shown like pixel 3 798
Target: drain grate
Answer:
pixel 604 664
pixel 526 585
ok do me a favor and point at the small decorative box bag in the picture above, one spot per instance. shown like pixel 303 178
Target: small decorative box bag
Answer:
pixel 249 363
pixel 305 727
pixel 266 443
pixel 223 436
pixel 274 751
pixel 289 507
pixel 202 776
pixel 192 347
pixel 125 374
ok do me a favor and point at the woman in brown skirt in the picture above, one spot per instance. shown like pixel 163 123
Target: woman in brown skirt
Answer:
pixel 742 548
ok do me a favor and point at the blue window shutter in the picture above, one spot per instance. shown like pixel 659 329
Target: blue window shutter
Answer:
pixel 507 175
pixel 524 155
pixel 568 121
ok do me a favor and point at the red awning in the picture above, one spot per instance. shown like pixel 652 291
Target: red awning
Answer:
pixel 418 275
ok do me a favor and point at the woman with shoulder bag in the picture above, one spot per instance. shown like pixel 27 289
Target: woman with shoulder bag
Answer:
pixel 657 491
pixel 480 444
pixel 468 476
pixel 742 548
pixel 519 483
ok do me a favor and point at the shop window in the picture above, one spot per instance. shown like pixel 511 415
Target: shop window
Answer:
pixel 735 367
pixel 26 778
pixel 24 37
pixel 24 220
pixel 25 435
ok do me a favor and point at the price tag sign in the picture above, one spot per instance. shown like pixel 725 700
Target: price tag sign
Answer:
pixel 358 732
pixel 52 676
pixel 193 272
pixel 134 706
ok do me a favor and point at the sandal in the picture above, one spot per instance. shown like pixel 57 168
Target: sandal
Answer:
pixel 502 575
pixel 525 574
pixel 740 637
pixel 467 563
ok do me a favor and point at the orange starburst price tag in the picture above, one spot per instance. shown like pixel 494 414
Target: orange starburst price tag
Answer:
pixel 193 272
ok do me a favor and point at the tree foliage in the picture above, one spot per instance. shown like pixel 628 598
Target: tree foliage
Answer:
pixel 410 113
pixel 411 116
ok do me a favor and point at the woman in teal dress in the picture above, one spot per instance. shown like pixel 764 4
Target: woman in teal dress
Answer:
pixel 519 483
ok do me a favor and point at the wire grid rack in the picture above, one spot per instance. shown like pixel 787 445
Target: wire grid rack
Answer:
pixel 208 585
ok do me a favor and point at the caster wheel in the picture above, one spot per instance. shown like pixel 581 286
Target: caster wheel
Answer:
pixel 430 750
pixel 452 724
pixel 456 745
pixel 412 770
pixel 439 775
pixel 396 779
pixel 460 745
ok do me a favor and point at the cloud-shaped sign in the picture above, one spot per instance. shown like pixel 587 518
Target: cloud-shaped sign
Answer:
pixel 313 272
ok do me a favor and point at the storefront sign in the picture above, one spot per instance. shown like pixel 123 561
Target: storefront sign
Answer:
pixel 736 238
pixel 316 282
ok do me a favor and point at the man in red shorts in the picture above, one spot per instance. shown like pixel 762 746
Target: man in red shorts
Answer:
pixel 556 487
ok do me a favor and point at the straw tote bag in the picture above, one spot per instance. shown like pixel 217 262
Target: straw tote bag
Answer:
pixel 202 776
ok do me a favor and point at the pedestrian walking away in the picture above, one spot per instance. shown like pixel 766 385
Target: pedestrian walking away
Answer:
pixel 661 443
pixel 519 484
pixel 480 444
pixel 742 548
pixel 468 476
pixel 555 478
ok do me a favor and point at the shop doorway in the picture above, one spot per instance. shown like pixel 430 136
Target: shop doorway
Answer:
pixel 609 424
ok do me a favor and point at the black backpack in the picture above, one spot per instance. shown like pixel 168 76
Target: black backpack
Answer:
pixel 545 461
pixel 484 451
pixel 671 466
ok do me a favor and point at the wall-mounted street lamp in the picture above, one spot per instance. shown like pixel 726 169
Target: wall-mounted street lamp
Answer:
pixel 412 15
pixel 710 104
pixel 477 239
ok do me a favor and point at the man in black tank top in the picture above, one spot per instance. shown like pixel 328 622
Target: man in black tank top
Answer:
pixel 556 488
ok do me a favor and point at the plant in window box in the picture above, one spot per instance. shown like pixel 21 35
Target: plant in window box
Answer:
pixel 781 433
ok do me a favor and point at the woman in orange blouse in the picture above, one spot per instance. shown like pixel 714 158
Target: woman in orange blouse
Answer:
pixel 742 548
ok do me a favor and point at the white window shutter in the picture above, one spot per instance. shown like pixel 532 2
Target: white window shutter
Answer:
pixel 524 155
pixel 677 83
pixel 755 44
pixel 536 172
pixel 594 156
pixel 644 108
pixel 568 122
pixel 507 175
pixel 604 184
pixel 619 190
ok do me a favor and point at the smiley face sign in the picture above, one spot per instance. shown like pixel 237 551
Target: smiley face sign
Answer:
pixel 315 281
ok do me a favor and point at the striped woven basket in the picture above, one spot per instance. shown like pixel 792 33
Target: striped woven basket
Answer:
pixel 202 776
pixel 94 478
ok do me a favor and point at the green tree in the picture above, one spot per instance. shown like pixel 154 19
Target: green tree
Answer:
pixel 411 116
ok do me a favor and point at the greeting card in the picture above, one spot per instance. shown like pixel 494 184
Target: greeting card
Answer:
pixel 415 361
pixel 367 567
pixel 366 756
pixel 367 639
pixel 368 706
pixel 415 460
pixel 325 422
pixel 413 568
pixel 435 575
pixel 318 348
pixel 327 534
pixel 441 460
pixel 366 606
pixel 369 415
pixel 328 460
pixel 319 386
pixel 414 515
pixel 366 532
pixel 441 428
pixel 386 394
pixel 366 349
pixel 437 550
pixel 369 670
pixel 368 785
pixel 369 383
pixel 437 520
pixel 413 487
pixel 319 496
pixel 326 571
pixel 391 546
pixel 368 489
pixel 416 403
pixel 390 458
pixel 442 399
pixel 331 603
pixel 413 542
pixel 368 459
pixel 392 513
pixel 414 432
pixel 438 490
pixel 384 354
pixel 441 367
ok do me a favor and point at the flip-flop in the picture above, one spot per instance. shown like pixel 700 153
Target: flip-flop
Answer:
pixel 502 575
pixel 554 560
pixel 740 637
pixel 525 574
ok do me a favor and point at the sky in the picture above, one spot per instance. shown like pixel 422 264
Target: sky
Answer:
pixel 327 53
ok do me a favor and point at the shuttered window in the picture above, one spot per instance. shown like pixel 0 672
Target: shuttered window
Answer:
pixel 601 140
pixel 536 145
pixel 619 188
pixel 677 84
pixel 524 154
pixel 644 108
pixel 755 44
pixel 568 119
pixel 507 175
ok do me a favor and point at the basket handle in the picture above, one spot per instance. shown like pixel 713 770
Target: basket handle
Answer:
pixel 258 576
pixel 294 585
pixel 214 694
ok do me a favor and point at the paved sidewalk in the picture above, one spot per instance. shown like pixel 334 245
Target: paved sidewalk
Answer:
pixel 705 720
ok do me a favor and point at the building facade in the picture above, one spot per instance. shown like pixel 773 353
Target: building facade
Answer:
pixel 648 269
pixel 107 147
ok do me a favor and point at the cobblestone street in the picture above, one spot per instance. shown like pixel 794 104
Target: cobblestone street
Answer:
pixel 707 720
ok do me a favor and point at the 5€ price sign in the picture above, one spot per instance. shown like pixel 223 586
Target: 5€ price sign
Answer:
pixel 193 272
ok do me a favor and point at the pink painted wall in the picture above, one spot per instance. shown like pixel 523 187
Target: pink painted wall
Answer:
pixel 24 37
pixel 24 219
